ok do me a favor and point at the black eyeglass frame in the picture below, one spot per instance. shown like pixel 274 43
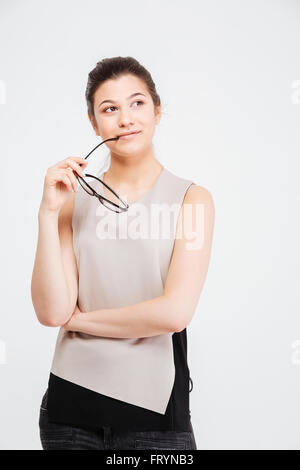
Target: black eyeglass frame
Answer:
pixel 122 209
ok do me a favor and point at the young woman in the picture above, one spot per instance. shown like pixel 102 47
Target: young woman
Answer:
pixel 121 292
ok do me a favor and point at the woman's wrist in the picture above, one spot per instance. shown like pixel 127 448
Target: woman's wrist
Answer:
pixel 48 214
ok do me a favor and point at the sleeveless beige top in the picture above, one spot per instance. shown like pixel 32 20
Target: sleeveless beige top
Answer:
pixel 116 271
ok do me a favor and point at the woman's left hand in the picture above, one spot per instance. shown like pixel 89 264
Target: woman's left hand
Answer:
pixel 70 325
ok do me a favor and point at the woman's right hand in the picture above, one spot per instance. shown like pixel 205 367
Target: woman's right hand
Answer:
pixel 59 182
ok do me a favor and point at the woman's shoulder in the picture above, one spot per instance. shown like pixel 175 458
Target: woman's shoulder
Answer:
pixel 198 194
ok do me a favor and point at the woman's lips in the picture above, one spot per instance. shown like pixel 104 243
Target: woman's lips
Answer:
pixel 129 136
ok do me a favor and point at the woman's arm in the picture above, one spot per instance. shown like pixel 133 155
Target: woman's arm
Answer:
pixel 186 276
pixel 54 285
pixel 149 318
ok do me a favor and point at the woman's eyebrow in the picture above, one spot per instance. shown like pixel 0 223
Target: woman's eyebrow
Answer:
pixel 112 101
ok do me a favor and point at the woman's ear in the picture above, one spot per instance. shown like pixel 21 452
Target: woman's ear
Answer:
pixel 95 127
pixel 157 112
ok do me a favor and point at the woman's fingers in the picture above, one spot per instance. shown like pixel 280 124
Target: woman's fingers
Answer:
pixel 75 163
pixel 67 181
pixel 66 170
pixel 69 173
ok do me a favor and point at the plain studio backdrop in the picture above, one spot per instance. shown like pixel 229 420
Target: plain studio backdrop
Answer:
pixel 228 74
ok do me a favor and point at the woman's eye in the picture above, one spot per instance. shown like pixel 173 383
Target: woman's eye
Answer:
pixel 138 101
pixel 110 107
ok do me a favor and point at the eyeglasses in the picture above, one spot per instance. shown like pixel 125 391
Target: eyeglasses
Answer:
pixel 92 192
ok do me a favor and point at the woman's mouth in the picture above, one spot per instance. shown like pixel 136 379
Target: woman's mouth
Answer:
pixel 129 136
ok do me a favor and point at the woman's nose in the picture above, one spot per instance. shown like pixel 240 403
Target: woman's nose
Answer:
pixel 125 119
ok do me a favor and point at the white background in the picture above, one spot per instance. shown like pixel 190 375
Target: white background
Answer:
pixel 228 74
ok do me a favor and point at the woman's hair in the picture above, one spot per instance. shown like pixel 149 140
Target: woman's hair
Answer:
pixel 115 67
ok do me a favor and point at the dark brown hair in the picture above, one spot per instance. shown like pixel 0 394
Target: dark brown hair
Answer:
pixel 115 67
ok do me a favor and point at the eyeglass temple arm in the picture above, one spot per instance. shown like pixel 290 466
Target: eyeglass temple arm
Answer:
pixel 106 140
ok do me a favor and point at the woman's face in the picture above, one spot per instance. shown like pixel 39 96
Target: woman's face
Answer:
pixel 125 114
